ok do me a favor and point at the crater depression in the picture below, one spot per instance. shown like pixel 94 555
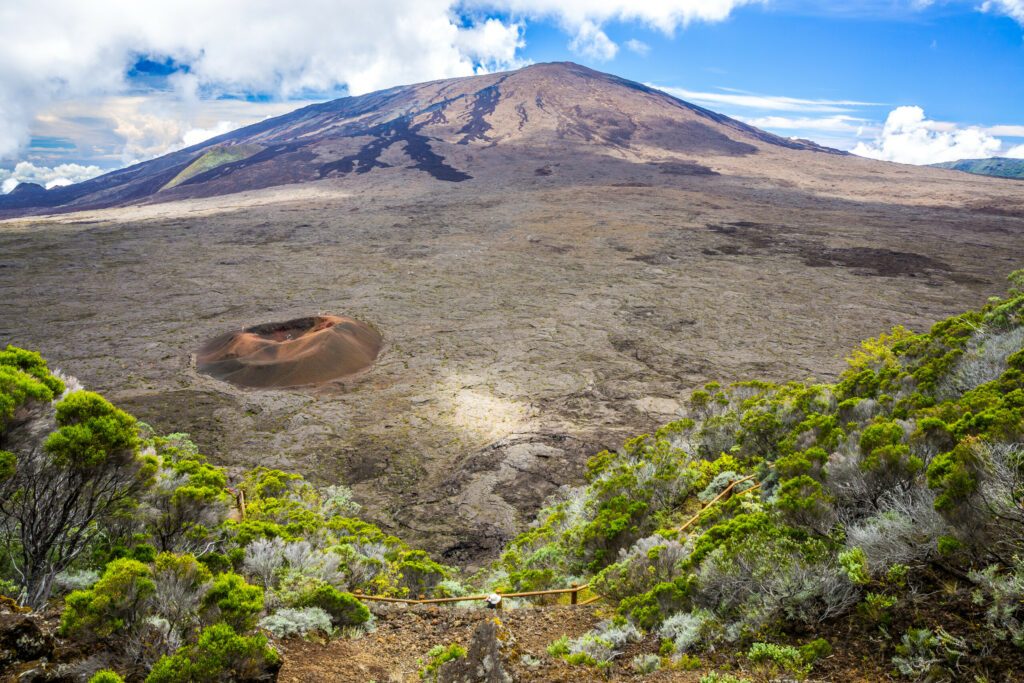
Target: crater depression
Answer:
pixel 294 353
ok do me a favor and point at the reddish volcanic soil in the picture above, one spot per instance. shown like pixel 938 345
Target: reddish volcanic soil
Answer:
pixel 290 354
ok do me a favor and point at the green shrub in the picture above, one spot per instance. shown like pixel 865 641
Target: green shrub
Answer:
pixel 811 652
pixel 343 608
pixel 1002 594
pixel 775 659
pixel 24 377
pixel 118 600
pixel 646 663
pixel 855 563
pixel 236 602
pixel 219 655
pixel 877 608
pixel 715 677
pixel 8 463
pixel 420 574
pixel 438 655
pixel 106 676
pixel 559 647
pixel 929 656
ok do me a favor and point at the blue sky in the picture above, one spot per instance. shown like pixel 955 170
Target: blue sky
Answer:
pixel 89 87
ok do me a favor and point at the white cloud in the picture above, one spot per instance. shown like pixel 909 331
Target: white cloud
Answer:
pixel 909 137
pixel 765 102
pixel 197 135
pixel 64 174
pixel 585 19
pixel 1011 8
pixel 664 15
pixel 1010 131
pixel 590 41
pixel 492 43
pixel 1014 152
pixel 638 46
pixel 57 50
pixel 120 129
pixel 832 124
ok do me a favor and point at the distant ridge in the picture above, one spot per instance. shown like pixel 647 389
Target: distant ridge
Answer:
pixel 999 167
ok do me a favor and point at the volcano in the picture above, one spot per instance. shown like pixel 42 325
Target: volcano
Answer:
pixel 452 131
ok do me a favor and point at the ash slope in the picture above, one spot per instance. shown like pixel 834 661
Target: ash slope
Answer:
pixel 542 107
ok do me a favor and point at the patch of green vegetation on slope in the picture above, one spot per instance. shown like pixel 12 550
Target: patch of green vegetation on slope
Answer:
pixel 1001 167
pixel 890 503
pixel 218 156
pixel 873 492
pixel 142 540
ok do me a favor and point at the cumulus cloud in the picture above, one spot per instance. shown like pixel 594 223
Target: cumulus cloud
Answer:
pixel 585 19
pixel 911 138
pixel 638 47
pixel 664 15
pixel 590 41
pixel 63 174
pixel 1015 152
pixel 54 50
pixel 1011 8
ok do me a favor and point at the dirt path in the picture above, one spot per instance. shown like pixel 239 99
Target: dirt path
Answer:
pixel 405 634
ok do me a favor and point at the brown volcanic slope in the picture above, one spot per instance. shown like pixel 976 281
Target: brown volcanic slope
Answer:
pixel 554 257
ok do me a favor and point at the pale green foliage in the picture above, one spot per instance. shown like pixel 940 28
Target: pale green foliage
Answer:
pixel 646 664
pixel 715 677
pixel 923 655
pixel 686 629
pixel 1002 594
pixel 287 622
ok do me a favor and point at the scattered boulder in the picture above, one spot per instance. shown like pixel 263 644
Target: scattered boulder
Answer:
pixel 22 638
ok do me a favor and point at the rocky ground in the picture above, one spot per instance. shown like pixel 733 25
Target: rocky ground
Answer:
pixel 397 649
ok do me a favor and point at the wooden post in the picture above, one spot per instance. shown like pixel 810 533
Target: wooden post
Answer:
pixel 241 503
pixel 574 596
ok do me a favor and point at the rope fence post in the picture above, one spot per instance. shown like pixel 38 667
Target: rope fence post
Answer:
pixel 574 596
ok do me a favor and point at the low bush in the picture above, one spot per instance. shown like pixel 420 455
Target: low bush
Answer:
pixel 106 676
pixel 645 664
pixel 287 622
pixel 924 655
pixel 438 655
pixel 775 659
pixel 118 601
pixel 343 608
pixel 219 655
pixel 233 601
